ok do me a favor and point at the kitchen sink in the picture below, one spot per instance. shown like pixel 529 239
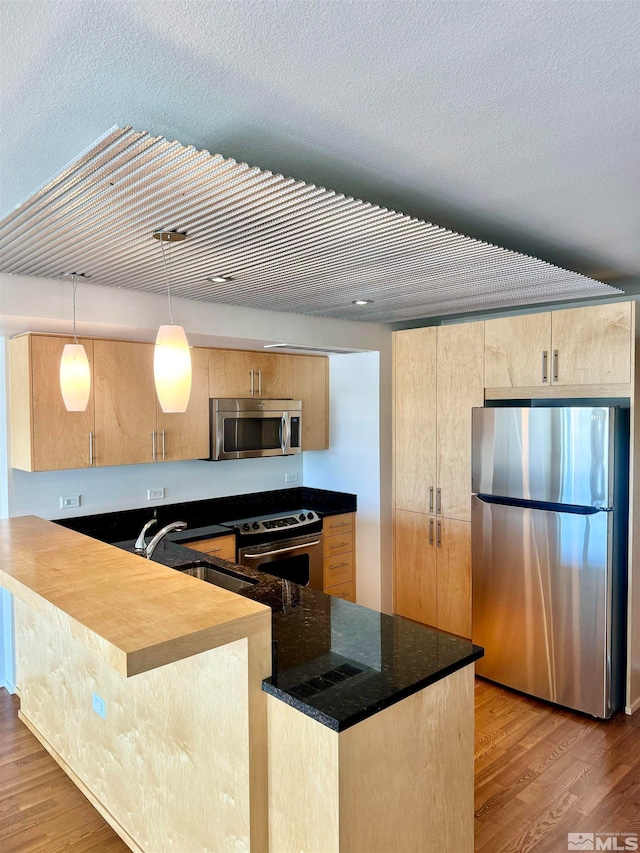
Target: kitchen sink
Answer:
pixel 214 574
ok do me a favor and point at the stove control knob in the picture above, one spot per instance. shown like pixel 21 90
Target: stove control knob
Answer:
pixel 310 516
pixel 245 526
pixel 302 516
pixel 255 525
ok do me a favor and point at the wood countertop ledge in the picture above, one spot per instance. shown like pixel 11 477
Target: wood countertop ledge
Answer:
pixel 134 613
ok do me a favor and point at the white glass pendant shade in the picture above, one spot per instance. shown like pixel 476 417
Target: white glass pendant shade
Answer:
pixel 75 377
pixel 172 369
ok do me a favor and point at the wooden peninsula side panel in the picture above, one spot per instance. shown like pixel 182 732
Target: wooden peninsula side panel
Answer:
pixel 399 780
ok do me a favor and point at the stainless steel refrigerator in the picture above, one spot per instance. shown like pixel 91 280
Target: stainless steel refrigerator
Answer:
pixel 549 517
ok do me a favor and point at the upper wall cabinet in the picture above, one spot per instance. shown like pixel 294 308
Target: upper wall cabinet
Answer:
pixel 577 346
pixel 311 386
pixel 44 435
pixel 236 373
pixel 123 422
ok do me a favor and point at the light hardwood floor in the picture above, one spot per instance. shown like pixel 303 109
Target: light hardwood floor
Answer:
pixel 540 773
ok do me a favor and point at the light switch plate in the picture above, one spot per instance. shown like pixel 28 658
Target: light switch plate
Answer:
pixel 291 478
pixel 155 494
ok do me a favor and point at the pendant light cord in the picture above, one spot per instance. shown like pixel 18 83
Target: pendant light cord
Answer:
pixel 167 270
pixel 74 279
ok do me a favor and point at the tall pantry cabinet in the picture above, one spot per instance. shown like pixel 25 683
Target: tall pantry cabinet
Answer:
pixel 438 378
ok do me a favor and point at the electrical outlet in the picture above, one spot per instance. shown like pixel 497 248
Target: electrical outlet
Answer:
pixel 291 478
pixel 99 705
pixel 69 501
pixel 155 494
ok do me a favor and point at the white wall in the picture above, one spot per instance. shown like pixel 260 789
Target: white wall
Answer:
pixel 352 464
pixel 29 304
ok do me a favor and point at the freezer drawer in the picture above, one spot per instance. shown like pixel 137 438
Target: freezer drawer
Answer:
pixel 542 603
pixel 552 454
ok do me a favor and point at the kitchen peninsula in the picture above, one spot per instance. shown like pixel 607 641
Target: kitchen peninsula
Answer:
pixel 151 689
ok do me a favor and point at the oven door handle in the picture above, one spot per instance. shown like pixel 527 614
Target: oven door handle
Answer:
pixel 279 551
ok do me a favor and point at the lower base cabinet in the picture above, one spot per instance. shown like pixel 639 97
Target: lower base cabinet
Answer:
pixel 339 569
pixel 432 571
pixel 223 547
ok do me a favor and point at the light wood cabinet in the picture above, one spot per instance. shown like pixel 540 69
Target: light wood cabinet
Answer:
pixel 236 373
pixel 339 565
pixel 591 345
pixel 125 403
pixel 437 380
pixel 414 358
pixel 575 346
pixel 44 435
pixel 311 386
pixel 432 574
pixel 185 435
pixel 223 547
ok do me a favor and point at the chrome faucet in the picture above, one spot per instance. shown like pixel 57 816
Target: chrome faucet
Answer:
pixel 141 546
pixel 151 547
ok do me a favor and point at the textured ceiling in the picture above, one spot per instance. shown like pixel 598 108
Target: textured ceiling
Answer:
pixel 281 244
pixel 513 122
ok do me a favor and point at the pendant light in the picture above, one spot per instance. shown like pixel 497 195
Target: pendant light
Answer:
pixel 75 375
pixel 172 359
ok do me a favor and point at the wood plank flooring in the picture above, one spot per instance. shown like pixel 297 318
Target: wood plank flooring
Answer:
pixel 540 773
pixel 41 810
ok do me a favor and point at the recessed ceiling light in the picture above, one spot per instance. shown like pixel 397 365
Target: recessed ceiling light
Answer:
pixel 362 302
pixel 219 279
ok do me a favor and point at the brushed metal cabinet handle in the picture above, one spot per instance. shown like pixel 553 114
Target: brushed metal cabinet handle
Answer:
pixel 439 535
pixel 438 501
pixel 252 383
pixel 339 545
pixel 338 566
pixel 163 455
pixel 90 448
pixel 153 445
pixel 259 383
pixel 430 498
pixel 545 362
pixel 341 524
pixel 430 531
pixel 555 365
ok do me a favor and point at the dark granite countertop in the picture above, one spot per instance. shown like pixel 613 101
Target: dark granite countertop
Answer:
pixel 206 514
pixel 336 661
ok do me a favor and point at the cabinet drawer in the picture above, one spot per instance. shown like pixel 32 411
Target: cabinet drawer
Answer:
pixel 223 547
pixel 337 569
pixel 341 543
pixel 334 524
pixel 342 590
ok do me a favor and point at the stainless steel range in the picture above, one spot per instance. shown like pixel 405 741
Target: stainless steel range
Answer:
pixel 287 545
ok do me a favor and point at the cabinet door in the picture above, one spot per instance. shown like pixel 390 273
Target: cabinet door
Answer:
pixel 223 547
pixel 45 436
pixel 186 435
pixel 311 385
pixel 230 374
pixel 273 375
pixel 414 573
pixel 453 546
pixel 593 344
pixel 460 386
pixel 517 351
pixel 125 402
pixel 414 393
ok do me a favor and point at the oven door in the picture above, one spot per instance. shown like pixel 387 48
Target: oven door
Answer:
pixel 298 560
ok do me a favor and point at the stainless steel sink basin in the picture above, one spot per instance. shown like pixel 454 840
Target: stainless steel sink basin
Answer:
pixel 214 574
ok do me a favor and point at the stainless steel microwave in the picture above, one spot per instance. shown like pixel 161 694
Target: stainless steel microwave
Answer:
pixel 244 429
